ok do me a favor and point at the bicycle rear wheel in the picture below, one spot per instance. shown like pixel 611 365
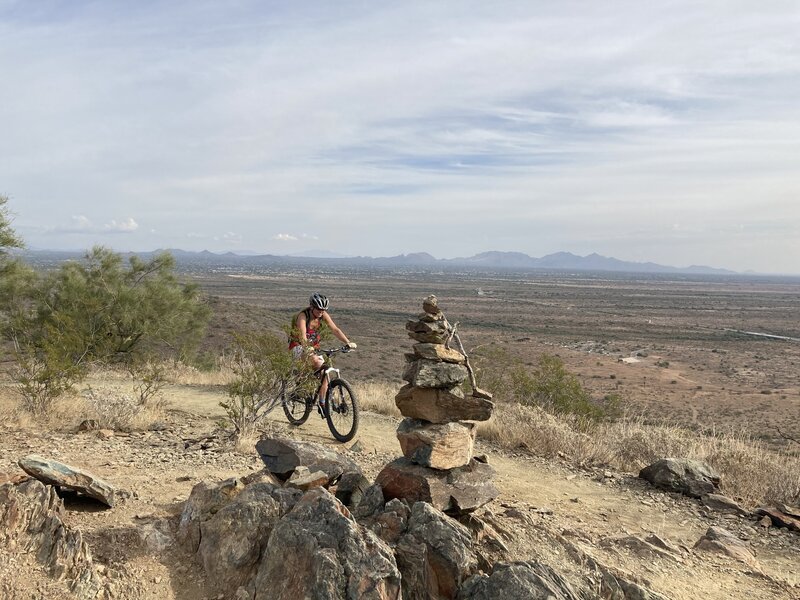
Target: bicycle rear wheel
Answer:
pixel 341 410
pixel 296 408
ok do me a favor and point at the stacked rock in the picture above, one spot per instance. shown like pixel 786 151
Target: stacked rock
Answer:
pixel 437 435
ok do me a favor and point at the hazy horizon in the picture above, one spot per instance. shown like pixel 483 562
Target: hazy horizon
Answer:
pixel 663 133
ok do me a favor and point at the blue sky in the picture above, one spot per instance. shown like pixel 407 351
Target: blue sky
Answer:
pixel 666 133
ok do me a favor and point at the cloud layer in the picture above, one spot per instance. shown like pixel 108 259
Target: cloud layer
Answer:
pixel 665 133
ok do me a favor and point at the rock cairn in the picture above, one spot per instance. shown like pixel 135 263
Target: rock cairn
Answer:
pixel 437 435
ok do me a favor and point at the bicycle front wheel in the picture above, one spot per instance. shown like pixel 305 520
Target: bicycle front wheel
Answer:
pixel 296 408
pixel 341 410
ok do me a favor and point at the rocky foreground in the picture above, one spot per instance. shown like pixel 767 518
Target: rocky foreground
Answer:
pixel 194 520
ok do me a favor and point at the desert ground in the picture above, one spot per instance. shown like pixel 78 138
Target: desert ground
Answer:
pixel 669 347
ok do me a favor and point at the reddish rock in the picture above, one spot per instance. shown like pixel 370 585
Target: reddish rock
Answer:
pixel 437 445
pixel 457 491
pixel 442 405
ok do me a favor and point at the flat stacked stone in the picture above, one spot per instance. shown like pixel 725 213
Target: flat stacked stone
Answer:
pixel 437 435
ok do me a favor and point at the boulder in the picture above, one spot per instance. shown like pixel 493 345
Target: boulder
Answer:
pixel 434 555
pixel 690 477
pixel 525 580
pixel 205 499
pixel 282 456
pixel 437 445
pixel 64 476
pixel 722 541
pixel 434 374
pixel 442 405
pixel 319 551
pixel 439 352
pixel 32 522
pixel 457 491
pixel 233 539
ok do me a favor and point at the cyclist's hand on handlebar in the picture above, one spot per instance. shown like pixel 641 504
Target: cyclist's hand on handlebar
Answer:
pixel 351 345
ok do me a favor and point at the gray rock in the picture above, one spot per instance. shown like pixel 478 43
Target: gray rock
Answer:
pixel 390 523
pixel 282 456
pixel 205 499
pixel 528 580
pixel 617 588
pixel 32 522
pixel 318 551
pixel 724 504
pixel 64 476
pixel 435 555
pixel 433 332
pixel 351 488
pixel 690 477
pixel 438 352
pixel 371 503
pixel 434 374
pixel 233 539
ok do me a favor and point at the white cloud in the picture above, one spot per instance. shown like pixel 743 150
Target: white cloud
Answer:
pixel 125 226
pixel 80 224
pixel 285 237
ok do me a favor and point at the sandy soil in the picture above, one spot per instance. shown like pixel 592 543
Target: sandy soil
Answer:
pixel 545 510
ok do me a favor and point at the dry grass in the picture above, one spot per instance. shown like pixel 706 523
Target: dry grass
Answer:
pixel 182 374
pixel 750 471
pixel 377 397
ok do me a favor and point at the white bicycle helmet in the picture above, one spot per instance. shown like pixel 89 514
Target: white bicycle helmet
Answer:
pixel 319 301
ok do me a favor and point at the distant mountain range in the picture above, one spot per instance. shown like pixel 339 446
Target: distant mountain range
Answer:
pixel 493 260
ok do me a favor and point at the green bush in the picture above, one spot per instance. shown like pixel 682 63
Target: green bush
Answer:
pixel 548 385
pixel 99 311
pixel 265 371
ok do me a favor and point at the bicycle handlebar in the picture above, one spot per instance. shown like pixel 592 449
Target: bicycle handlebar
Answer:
pixel 344 349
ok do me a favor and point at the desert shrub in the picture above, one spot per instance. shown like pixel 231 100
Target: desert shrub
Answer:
pixel 101 311
pixel 115 409
pixel 263 371
pixel 549 385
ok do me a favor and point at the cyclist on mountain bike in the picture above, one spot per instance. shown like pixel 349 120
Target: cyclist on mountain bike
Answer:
pixel 306 333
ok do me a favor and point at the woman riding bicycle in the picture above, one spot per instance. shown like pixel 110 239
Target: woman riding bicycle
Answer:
pixel 306 333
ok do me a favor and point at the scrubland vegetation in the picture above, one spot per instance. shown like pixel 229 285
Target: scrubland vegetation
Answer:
pixel 140 320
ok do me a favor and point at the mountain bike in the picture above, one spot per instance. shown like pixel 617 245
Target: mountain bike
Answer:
pixel 339 408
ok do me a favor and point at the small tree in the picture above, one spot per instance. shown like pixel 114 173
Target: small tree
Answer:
pixel 265 372
pixel 101 311
pixel 14 276
pixel 8 237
